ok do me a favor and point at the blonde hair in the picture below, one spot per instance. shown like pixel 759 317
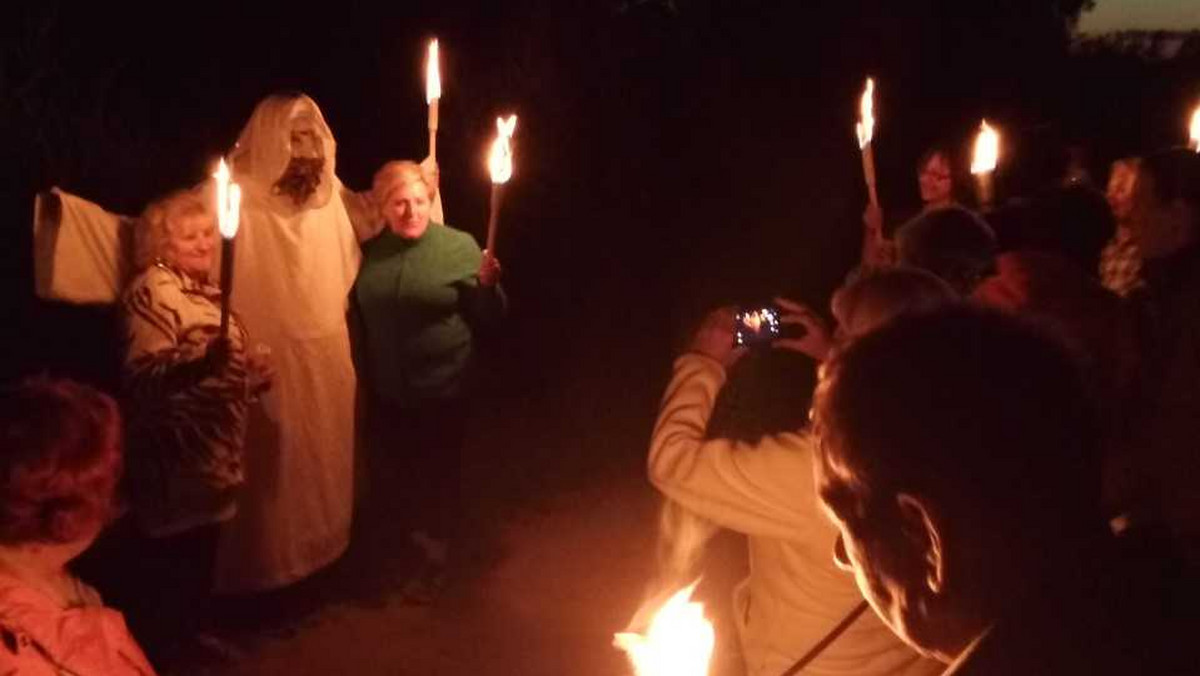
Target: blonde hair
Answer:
pixel 152 232
pixel 396 173
pixel 884 294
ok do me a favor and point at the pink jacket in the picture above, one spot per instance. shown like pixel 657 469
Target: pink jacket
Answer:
pixel 38 637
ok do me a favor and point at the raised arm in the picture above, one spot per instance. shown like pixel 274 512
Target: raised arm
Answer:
pixel 762 489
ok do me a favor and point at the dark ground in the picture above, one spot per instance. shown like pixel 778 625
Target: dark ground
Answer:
pixel 671 156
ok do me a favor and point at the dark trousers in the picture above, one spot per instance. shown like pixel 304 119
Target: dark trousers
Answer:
pixel 414 465
pixel 167 595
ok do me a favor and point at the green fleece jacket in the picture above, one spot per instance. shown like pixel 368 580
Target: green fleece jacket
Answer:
pixel 419 299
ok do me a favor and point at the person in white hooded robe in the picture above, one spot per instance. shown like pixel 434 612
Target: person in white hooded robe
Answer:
pixel 295 261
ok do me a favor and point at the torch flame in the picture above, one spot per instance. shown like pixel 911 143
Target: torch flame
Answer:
pixel 679 641
pixel 865 128
pixel 229 202
pixel 433 75
pixel 987 150
pixel 500 158
pixel 1195 129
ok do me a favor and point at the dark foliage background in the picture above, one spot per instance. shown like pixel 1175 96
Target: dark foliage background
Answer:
pixel 672 155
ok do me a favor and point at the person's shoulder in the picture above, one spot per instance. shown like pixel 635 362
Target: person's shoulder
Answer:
pixel 376 242
pixel 459 242
pixel 453 234
pixel 154 274
pixel 155 280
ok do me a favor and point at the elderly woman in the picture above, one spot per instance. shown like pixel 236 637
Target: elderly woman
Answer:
pixel 187 392
pixel 58 475
pixel 424 290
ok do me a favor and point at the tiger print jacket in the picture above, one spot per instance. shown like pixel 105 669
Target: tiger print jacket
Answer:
pixel 185 415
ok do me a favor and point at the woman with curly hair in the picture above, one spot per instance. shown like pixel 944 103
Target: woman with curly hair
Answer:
pixel 187 396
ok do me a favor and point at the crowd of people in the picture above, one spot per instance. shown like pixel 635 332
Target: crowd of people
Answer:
pixel 228 456
pixel 1001 446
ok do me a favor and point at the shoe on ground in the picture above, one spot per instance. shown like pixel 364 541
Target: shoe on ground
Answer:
pixel 426 586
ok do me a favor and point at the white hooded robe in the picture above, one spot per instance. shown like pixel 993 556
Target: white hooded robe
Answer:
pixel 293 270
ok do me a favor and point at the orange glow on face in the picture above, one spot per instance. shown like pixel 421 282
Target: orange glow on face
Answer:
pixel 865 128
pixel 678 642
pixel 987 150
pixel 500 161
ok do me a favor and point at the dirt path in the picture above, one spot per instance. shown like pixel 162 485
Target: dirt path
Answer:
pixel 571 574
pixel 569 523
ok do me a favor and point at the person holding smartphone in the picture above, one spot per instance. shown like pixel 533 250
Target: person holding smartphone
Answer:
pixel 794 597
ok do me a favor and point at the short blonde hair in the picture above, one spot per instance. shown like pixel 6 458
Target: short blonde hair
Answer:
pixel 153 230
pixel 872 298
pixel 397 173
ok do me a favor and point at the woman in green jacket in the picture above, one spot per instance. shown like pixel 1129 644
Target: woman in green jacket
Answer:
pixel 424 289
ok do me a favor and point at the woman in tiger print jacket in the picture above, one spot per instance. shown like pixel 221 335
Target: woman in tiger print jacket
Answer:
pixel 187 395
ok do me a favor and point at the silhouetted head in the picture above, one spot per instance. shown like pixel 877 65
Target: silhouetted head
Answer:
pixel 957 457
pixel 953 243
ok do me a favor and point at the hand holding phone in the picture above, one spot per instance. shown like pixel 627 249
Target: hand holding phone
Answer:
pixel 714 337
pixel 805 331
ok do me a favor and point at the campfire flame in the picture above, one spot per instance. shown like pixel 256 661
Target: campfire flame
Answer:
pixel 1195 129
pixel 500 162
pixel 678 642
pixel 987 150
pixel 433 75
pixel 865 127
pixel 229 202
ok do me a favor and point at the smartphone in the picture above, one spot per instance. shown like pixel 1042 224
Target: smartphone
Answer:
pixel 756 326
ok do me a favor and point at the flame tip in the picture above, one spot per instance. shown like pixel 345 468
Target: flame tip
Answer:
pixel 679 640
pixel 1194 128
pixel 433 78
pixel 865 128
pixel 987 149
pixel 229 200
pixel 500 156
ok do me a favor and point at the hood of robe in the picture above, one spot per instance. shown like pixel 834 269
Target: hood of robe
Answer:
pixel 264 150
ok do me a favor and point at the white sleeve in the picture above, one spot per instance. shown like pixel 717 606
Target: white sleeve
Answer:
pixel 763 489
pixel 82 253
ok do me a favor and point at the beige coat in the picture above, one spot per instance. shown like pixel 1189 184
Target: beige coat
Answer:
pixel 794 595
